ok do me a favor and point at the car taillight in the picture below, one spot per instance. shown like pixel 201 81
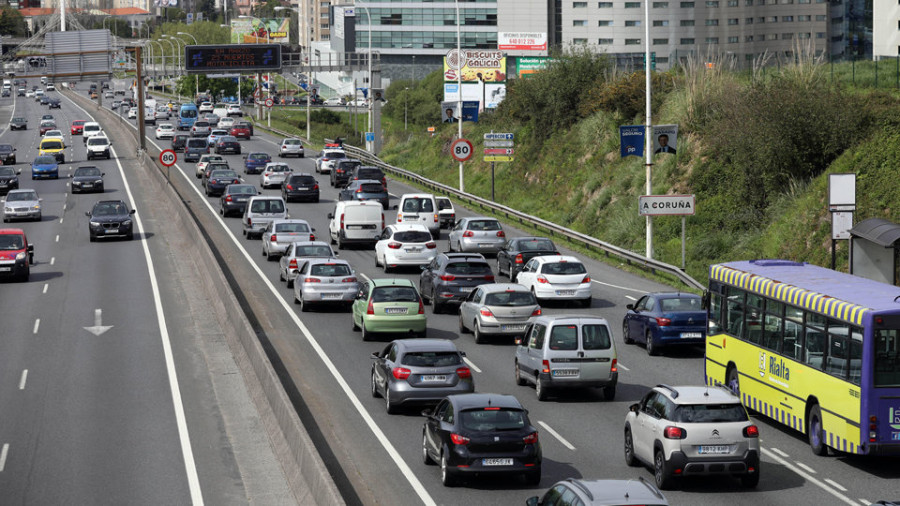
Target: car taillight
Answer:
pixel 448 277
pixel 486 312
pixel 359 190
pixel 436 218
pixel 342 221
pixel 312 280
pixel 671 432
pixel 587 279
pixel 273 238
pixel 348 280
pixel 545 366
pixel 751 431
pixel 531 438
pixel 399 217
pixel 519 259
pixel 292 264
pixel 489 277
pixel 459 440
pixel 431 245
pixel 289 187
pixel 536 312
pixel 315 187
pixel 312 237
pixel 371 308
pixel 382 221
pixel 228 198
pixel 249 222
pixel 663 322
pixel 325 159
pixel 401 373
pixel 468 233
pixel 542 279
pixel 615 365
pixel 501 234
pixel 421 307
pixel 464 372
pixel 394 245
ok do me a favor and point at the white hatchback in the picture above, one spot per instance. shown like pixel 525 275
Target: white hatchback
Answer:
pixel 165 131
pixel 404 244
pixel 274 174
pixel 557 277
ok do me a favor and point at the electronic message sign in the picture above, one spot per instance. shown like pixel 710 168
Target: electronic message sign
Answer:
pixel 232 57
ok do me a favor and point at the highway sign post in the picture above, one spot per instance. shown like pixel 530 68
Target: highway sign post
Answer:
pixel 168 158
pixel 461 150
pixel 668 205
pixel 498 147
pixel 269 102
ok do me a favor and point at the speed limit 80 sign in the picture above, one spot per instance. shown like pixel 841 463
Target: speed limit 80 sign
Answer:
pixel 168 158
pixel 461 149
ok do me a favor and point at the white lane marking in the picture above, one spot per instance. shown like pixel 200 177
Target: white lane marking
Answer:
pixel 3 454
pixel 622 366
pixel 629 297
pixel 779 452
pixel 808 477
pixel 64 206
pixel 57 238
pixel 37 325
pixel 835 484
pixel 52 260
pixel 617 286
pixel 471 364
pixel 181 421
pixel 806 468
pixel 865 502
pixel 46 286
pixel 22 381
pixel 60 220
pixel 556 435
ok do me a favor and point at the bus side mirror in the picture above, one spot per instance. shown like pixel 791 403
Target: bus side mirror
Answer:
pixel 704 302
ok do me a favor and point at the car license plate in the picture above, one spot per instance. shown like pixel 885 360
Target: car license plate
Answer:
pixel 465 289
pixel 512 327
pixel 691 335
pixel 5 269
pixel 87 185
pixel 496 462
pixel 565 292
pixel 331 295
pixel 434 377
pixel 484 245
pixel 111 231
pixel 714 450
pixel 565 372
pixel 303 188
pixel 413 250
pixel 396 310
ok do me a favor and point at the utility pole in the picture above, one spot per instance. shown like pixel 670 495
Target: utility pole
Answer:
pixel 140 105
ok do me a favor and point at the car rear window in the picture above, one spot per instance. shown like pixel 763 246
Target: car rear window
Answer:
pixel 277 168
pixel 680 304
pixel 595 337
pixel 292 227
pixel 417 205
pixel 312 251
pixel 710 413
pixel 412 236
pixel 303 180
pixel 510 298
pixel 291 142
pixel 201 124
pixel 267 206
pixel 478 268
pixel 332 155
pixel 97 141
pixel 222 173
pixel 330 270
pixel 372 188
pixel 348 166
pixel 444 204
pixel 259 156
pixel 196 143
pixel 242 189
pixel 537 245
pixel 369 174
pixel 564 337
pixel 563 268
pixel 484 225
pixel 431 359
pixel 492 419
pixel 395 294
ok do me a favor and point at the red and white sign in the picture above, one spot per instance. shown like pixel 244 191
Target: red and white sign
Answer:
pixel 461 149
pixel 168 158
pixel 269 102
pixel 499 151
pixel 522 41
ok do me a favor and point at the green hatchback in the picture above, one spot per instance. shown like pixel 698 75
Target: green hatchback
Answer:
pixel 389 305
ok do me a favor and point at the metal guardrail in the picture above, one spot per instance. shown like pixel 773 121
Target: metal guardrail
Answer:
pixel 553 228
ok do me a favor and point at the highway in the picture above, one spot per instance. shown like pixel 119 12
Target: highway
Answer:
pixel 105 389
pixel 380 454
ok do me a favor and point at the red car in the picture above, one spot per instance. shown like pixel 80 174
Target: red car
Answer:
pixel 16 254
pixel 46 127
pixel 78 127
pixel 241 130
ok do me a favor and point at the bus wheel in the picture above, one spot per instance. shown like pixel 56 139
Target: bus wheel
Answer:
pixel 733 381
pixel 814 431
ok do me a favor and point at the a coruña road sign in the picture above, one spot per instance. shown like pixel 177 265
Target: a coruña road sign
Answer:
pixel 666 205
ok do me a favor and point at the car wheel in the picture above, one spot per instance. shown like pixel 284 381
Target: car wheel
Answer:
pixel 449 245
pixel 533 478
pixel 652 349
pixel 660 473
pixel 462 327
pixel 500 268
pixel 289 282
pixel 630 460
pixel 92 238
pixel 733 381
pixel 296 300
pixel 815 432
pixel 586 302
pixel 304 306
pixel 389 407
pixel 366 336
pixel 436 307
pixel 609 392
pixel 479 337
pixel 340 241
pixel 750 480
pixel 625 336
pixel 374 386
pixel 353 322
pixel 539 389
pixel 447 478
pixel 426 458
pixel 519 379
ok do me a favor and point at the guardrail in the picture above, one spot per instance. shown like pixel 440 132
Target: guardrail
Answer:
pixel 586 240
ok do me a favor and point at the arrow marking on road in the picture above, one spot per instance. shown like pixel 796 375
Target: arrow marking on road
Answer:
pixel 98 327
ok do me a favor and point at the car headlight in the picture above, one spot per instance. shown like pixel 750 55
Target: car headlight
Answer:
pixel 36 207
pixel 20 256
pixel 7 209
pixel 95 224
pixel 127 223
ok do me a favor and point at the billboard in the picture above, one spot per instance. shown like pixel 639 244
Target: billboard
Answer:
pixel 481 66
pixel 526 66
pixel 340 13
pixel 522 41
pixel 260 31
pixel 489 94
pixel 165 3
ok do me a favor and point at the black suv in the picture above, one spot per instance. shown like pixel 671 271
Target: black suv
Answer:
pixel 368 172
pixel 341 172
pixel 300 187
pixel 7 154
pixel 518 251
pixel 450 277
pixel 111 218
pixel 18 124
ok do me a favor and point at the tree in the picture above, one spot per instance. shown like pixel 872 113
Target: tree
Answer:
pixel 12 22
pixel 267 10
pixel 208 9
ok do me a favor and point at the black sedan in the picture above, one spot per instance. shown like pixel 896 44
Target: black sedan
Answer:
pixel 342 170
pixel 53 103
pixel 18 124
pixel 228 144
pixel 9 179
pixel 300 187
pixel 518 251
pixel 481 434
pixel 7 154
pixel 234 198
pixel 365 189
pixel 87 179
pixel 450 277
pixel 178 142
pixel 111 218
pixel 218 180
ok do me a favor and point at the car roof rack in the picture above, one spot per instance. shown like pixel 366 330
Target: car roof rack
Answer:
pixel 577 483
pixel 670 389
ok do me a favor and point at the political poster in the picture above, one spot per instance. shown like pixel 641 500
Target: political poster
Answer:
pixel 665 139
pixel 450 114
pixel 631 139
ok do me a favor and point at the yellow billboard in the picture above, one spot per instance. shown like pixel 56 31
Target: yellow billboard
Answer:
pixel 481 66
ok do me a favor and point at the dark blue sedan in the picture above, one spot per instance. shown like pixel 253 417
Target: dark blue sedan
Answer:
pixel 45 167
pixel 254 163
pixel 665 319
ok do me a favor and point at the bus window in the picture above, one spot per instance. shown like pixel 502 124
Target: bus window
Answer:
pixel 793 341
pixel 773 331
pixel 814 342
pixel 753 328
pixel 856 351
pixel 887 358
pixel 715 313
pixel 838 349
pixel 734 312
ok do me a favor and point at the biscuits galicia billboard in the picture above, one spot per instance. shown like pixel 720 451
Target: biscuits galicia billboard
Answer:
pixel 481 66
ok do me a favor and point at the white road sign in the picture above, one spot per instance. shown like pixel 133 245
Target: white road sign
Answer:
pixel 666 205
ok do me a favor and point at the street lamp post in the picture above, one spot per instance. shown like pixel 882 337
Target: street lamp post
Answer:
pixel 197 76
pixel 161 53
pixel 462 183
pixel 167 41
pixel 180 59
pixel 371 103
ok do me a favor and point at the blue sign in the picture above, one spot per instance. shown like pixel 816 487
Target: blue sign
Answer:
pixel 190 17
pixel 499 137
pixel 370 136
pixel 631 139
pixel 470 111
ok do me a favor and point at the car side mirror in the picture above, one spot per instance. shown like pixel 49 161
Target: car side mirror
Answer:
pixel 313 229
pixel 41 199
pixel 132 211
pixel 71 175
pixel 30 248
pixel 376 355
pixel 704 302
pixel 428 413
pixel 87 214
pixel 395 207
pixel 629 306
pixel 330 216
pixel 634 408
pixel 102 174
pixel 532 501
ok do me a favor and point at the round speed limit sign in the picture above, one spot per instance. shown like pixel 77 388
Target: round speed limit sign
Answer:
pixel 461 149
pixel 269 102
pixel 168 158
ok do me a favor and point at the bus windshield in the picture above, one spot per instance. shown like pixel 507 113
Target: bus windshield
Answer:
pixel 887 357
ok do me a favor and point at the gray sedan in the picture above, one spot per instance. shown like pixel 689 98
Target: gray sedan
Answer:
pixel 419 371
pixel 21 204
pixel 476 235
pixel 299 252
pixel 325 281
pixel 280 234
pixel 273 175
pixel 497 309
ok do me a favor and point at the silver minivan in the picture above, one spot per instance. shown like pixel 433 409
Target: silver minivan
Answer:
pixel 561 352
pixel 260 211
pixel 422 209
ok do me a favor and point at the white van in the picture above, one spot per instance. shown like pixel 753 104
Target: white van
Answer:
pixel 420 208
pixel 356 222
pixel 260 211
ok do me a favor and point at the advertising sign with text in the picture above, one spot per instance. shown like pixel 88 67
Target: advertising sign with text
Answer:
pixel 522 41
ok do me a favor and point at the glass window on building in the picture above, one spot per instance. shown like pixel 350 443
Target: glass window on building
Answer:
pixel 748 38
pixel 787 19
pixel 760 19
pixel 687 22
pixel 712 4
pixel 819 17
pixel 632 42
pixel 787 2
pixel 733 21
pixel 660 42
pixel 579 22
pixel 604 42
pixel 787 36
pixel 820 35
pixel 686 42
pixel 604 22
pixel 604 5
pixel 579 41
pixel 660 5
pixel 772 36
pixel 712 40
pixel 687 5
pixel 712 22
pixel 579 5
pixel 748 3
pixel 632 5
pixel 733 40
pixel 804 35
pixel 632 23
pixel 771 19
pixel 733 3
pixel 748 21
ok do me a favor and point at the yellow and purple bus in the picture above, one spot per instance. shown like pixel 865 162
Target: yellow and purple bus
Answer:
pixel 811 348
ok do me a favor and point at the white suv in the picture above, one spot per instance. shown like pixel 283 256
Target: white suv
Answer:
pixel 90 129
pixel 234 110
pixel 98 146
pixel 692 431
